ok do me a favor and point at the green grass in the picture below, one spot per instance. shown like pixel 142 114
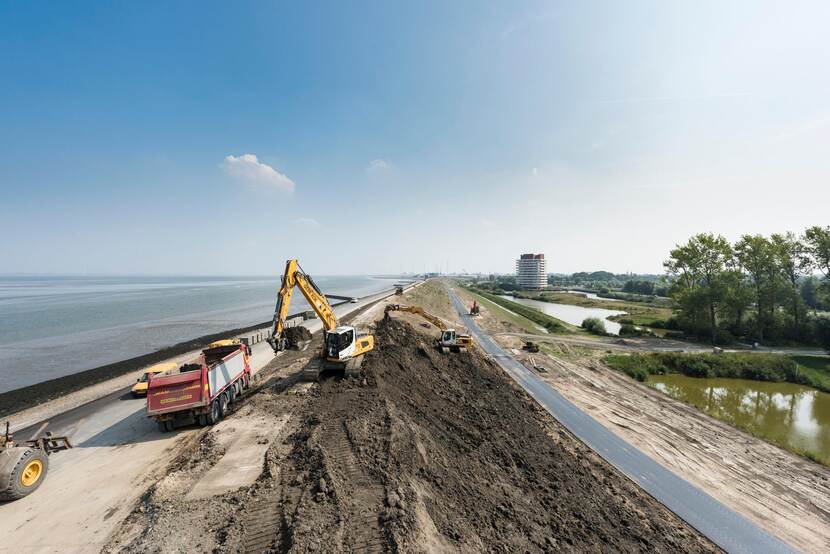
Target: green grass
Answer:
pixel 550 323
pixel 816 369
pixel 506 315
pixel 811 371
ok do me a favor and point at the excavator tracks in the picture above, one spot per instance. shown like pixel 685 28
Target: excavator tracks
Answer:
pixel 364 495
pixel 263 524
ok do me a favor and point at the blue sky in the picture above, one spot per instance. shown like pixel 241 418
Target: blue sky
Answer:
pixel 217 137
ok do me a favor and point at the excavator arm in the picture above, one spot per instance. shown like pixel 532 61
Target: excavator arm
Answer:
pixel 449 339
pixel 435 320
pixel 295 276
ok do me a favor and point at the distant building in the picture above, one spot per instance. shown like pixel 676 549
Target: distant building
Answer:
pixel 530 272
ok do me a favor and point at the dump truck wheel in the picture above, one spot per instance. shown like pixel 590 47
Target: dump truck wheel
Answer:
pixel 26 475
pixel 224 403
pixel 215 412
pixel 231 392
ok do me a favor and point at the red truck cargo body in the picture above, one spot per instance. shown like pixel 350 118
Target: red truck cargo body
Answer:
pixel 171 393
pixel 189 394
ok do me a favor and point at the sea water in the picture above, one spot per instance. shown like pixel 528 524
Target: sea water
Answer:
pixel 55 326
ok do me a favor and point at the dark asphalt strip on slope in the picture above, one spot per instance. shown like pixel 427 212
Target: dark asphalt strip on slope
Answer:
pixel 726 528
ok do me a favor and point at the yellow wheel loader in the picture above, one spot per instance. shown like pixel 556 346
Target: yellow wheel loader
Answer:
pixel 343 346
pixel 23 466
pixel 448 341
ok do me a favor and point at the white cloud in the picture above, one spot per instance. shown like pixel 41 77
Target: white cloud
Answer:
pixel 247 167
pixel 378 166
pixel 306 222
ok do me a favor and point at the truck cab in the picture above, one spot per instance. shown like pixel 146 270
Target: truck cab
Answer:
pixel 140 387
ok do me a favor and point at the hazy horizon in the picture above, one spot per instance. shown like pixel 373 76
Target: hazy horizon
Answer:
pixel 370 138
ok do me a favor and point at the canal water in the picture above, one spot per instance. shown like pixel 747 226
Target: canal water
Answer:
pixel 780 412
pixel 592 295
pixel 574 315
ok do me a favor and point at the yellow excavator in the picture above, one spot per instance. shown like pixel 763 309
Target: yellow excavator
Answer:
pixel 343 346
pixel 449 341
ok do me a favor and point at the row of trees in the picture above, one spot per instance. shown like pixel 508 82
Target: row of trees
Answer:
pixel 753 288
pixel 646 288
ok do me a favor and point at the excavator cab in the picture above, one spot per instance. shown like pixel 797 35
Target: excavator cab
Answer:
pixel 339 340
pixel 448 337
pixel 345 343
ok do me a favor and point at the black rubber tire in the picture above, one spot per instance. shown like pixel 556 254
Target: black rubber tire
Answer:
pixel 203 420
pixel 169 425
pixel 246 382
pixel 16 489
pixel 224 403
pixel 215 413
pixel 231 392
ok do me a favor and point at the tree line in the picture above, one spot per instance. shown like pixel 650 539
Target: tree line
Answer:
pixel 761 288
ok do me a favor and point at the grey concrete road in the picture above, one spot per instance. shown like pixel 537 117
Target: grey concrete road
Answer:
pixel 724 527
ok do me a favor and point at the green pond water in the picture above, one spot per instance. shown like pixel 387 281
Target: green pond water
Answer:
pixel 783 413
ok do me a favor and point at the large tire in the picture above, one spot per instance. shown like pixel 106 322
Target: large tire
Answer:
pixel 26 475
pixel 215 413
pixel 224 403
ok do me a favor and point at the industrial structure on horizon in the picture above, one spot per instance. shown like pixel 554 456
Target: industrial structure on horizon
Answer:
pixel 530 272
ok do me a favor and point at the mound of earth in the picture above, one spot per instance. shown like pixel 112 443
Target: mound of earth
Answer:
pixel 433 452
pixel 297 335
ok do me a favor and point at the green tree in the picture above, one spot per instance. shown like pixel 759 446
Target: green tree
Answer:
pixel 756 256
pixel 809 293
pixel 817 246
pixel 700 268
pixel 737 300
pixel 792 263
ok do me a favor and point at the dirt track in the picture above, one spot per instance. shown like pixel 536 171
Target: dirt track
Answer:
pixel 425 452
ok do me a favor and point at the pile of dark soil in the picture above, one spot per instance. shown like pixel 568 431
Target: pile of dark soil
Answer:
pixel 297 335
pixel 433 452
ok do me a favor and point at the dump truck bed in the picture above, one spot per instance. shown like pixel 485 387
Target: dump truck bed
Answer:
pixel 220 366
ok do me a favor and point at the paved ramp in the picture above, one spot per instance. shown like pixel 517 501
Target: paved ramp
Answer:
pixel 243 461
pixel 726 528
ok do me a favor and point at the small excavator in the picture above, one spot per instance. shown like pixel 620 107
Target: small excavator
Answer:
pixel 449 341
pixel 343 346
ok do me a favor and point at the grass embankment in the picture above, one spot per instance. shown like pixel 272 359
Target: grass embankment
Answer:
pixel 550 323
pixel 812 371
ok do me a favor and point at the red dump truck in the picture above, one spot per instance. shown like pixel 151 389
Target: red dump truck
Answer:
pixel 200 392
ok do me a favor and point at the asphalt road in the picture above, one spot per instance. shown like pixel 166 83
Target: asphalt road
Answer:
pixel 721 525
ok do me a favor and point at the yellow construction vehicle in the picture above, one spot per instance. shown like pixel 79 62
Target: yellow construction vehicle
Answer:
pixel 23 466
pixel 343 346
pixel 448 341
